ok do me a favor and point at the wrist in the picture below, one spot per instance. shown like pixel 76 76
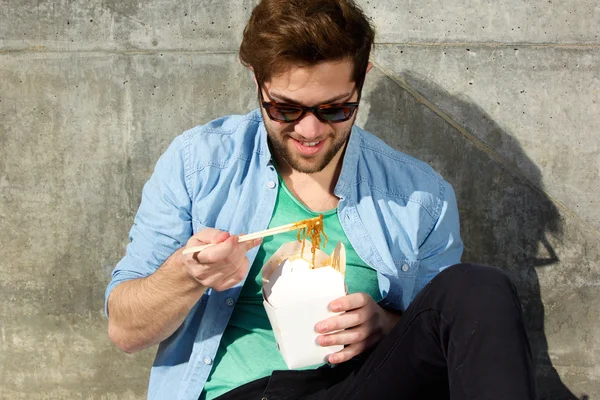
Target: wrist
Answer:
pixel 177 262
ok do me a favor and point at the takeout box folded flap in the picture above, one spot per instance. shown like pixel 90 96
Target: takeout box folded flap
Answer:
pixel 293 250
pixel 338 259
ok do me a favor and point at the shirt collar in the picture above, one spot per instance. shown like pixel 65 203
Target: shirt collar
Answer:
pixel 348 173
pixel 264 151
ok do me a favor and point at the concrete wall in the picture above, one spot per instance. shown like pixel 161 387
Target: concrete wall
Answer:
pixel 501 97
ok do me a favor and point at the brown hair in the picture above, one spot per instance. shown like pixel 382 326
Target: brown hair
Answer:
pixel 305 32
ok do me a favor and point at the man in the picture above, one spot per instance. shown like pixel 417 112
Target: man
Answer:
pixel 460 334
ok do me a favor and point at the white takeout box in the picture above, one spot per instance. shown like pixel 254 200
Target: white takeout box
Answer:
pixel 296 298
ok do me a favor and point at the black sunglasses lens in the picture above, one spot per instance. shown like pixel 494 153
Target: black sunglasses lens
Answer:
pixel 284 114
pixel 336 114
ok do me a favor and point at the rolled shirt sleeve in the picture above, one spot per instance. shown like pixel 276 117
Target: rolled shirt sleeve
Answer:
pixel 162 223
pixel 443 246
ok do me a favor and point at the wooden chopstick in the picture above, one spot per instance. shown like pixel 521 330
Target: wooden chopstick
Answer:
pixel 260 234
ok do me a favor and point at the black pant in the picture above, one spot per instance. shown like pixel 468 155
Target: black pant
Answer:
pixel 461 338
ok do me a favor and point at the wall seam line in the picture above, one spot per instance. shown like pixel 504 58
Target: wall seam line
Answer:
pixel 492 44
pixel 116 52
pixel 569 46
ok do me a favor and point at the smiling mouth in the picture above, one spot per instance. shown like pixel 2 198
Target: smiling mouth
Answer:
pixel 310 144
pixel 309 148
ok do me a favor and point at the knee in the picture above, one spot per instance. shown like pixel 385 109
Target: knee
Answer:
pixel 466 279
pixel 467 274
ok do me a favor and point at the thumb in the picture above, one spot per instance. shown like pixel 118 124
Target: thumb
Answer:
pixel 251 243
pixel 211 235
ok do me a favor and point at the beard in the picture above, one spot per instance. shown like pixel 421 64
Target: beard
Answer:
pixel 303 164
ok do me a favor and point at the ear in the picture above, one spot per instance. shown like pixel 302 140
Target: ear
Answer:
pixel 369 66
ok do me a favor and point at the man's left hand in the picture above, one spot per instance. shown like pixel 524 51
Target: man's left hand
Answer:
pixel 362 324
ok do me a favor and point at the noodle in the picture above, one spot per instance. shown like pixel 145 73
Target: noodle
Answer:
pixel 335 262
pixel 313 229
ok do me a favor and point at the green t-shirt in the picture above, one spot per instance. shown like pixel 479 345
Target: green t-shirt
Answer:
pixel 248 350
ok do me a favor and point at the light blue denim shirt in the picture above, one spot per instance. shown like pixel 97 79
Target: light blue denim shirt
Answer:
pixel 399 215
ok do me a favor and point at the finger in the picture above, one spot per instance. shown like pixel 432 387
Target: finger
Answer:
pixel 236 277
pixel 224 285
pixel 251 244
pixel 231 254
pixel 352 351
pixel 209 235
pixel 242 270
pixel 212 269
pixel 233 273
pixel 232 262
pixel 349 319
pixel 205 236
pixel 350 302
pixel 218 253
pixel 241 249
pixel 346 337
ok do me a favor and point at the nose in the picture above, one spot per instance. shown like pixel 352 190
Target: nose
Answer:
pixel 309 127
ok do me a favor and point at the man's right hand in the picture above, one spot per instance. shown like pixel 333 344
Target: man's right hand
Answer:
pixel 146 311
pixel 221 266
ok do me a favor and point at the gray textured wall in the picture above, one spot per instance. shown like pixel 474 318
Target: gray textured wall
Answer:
pixel 502 97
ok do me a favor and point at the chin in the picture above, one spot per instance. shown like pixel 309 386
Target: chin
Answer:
pixel 308 167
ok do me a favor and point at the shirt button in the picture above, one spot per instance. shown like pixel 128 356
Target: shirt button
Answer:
pixel 207 360
pixel 271 185
pixel 405 267
pixel 230 302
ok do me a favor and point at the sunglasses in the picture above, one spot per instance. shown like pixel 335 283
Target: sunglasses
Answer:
pixel 328 113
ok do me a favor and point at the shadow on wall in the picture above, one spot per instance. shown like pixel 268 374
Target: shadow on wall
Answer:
pixel 505 218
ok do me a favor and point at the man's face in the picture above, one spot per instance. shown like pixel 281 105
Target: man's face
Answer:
pixel 309 145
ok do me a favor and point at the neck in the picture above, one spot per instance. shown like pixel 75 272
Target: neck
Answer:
pixel 314 190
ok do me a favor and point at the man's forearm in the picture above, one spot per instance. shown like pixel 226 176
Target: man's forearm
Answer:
pixel 145 311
